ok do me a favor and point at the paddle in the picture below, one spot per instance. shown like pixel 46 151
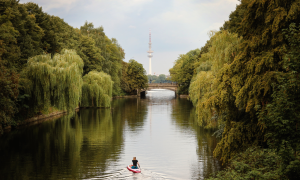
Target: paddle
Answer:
pixel 139 166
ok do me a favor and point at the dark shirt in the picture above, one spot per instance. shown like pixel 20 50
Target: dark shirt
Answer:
pixel 134 162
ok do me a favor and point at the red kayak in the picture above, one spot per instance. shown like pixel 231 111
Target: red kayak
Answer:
pixel 133 170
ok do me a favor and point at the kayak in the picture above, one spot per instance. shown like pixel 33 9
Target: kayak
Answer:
pixel 133 170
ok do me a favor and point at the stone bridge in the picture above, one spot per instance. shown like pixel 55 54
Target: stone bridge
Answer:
pixel 169 86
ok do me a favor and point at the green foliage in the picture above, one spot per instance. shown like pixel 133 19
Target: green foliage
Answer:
pixel 134 77
pixel 30 35
pixel 90 54
pixel 9 50
pixel 151 78
pixel 183 70
pixel 57 33
pixel 187 66
pixel 200 91
pixel 114 56
pixel 280 118
pixel 205 88
pixel 158 79
pixel 8 94
pixel 252 71
pixel 247 81
pixel 123 84
pixel 27 31
pixel 96 90
pixel 252 63
pixel 54 81
pixel 103 54
pixel 254 163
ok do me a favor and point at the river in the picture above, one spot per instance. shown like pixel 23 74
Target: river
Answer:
pixel 159 130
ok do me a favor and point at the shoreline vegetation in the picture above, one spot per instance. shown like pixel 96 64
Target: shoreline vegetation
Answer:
pixel 47 64
pixel 57 114
pixel 244 84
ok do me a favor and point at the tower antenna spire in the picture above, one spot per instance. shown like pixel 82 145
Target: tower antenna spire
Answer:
pixel 150 53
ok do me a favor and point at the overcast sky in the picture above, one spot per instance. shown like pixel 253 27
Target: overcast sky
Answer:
pixel 177 26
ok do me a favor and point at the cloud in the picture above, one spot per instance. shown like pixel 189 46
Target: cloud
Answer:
pixel 177 26
pixel 54 4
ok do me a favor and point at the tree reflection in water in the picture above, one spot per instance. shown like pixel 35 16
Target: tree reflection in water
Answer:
pixel 98 143
pixel 185 117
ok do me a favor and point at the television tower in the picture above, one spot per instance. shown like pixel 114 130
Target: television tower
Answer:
pixel 150 53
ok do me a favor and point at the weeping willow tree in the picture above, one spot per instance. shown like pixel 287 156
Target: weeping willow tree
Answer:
pixel 200 89
pixel 204 87
pixel 54 82
pixel 96 90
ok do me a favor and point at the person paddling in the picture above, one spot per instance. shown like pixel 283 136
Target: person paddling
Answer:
pixel 135 163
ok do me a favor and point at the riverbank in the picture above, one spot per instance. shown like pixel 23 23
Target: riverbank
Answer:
pixel 44 117
pixel 36 120
pixel 57 114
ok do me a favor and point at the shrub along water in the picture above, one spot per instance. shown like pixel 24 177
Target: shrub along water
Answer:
pixel 96 90
pixel 254 163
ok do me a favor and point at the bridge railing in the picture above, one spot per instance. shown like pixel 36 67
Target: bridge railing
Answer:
pixel 162 84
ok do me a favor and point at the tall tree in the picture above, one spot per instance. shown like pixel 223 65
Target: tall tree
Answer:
pixel 135 78
pixel 183 70
pixel 205 91
pixel 248 80
pixel 30 35
pixel 9 49
pixel 57 33
pixel 110 50
pixel 90 54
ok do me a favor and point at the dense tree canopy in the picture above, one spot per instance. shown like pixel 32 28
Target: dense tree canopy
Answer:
pixel 280 117
pixel 8 94
pixel 134 77
pixel 106 54
pixel 245 84
pixel 30 43
pixel 253 71
pixel 183 70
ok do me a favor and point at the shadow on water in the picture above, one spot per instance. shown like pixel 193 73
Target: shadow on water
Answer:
pixel 99 143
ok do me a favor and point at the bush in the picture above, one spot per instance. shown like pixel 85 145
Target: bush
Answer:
pixel 254 163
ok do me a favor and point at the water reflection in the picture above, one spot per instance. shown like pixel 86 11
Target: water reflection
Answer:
pixel 185 117
pixel 99 143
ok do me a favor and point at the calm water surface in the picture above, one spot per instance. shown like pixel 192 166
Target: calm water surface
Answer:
pixel 99 143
